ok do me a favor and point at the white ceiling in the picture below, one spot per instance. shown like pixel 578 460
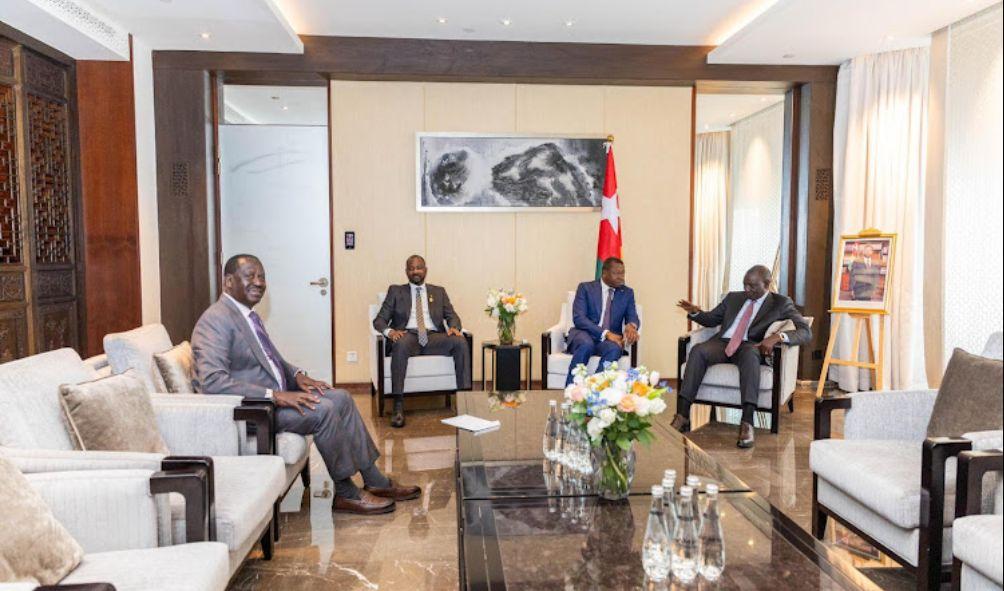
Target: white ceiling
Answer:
pixel 77 31
pixel 276 105
pixel 717 112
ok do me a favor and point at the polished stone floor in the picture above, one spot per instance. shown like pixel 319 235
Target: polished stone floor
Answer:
pixel 415 548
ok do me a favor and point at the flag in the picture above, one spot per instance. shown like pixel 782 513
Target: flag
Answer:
pixel 609 242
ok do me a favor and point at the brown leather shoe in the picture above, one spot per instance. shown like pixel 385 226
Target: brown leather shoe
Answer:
pixel 680 423
pixel 396 492
pixel 745 435
pixel 397 417
pixel 366 504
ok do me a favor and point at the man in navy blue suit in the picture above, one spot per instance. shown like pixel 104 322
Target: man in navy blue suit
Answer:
pixel 605 318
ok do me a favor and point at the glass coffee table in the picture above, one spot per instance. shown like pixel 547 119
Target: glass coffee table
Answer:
pixel 521 527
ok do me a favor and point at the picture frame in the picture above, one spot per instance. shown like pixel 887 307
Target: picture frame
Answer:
pixel 864 272
pixel 506 173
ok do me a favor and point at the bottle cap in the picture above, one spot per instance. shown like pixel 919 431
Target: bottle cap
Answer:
pixel 711 489
pixel 686 491
pixel 667 484
pixel 669 475
pixel 656 490
pixel 693 481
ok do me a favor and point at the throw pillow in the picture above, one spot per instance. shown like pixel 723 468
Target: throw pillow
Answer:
pixel 113 414
pixel 970 396
pixel 177 368
pixel 34 545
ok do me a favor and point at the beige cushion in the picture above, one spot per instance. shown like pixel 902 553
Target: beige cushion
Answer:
pixel 177 367
pixel 970 396
pixel 113 414
pixel 33 545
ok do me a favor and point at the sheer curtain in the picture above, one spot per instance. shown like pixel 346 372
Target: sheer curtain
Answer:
pixel 879 148
pixel 711 195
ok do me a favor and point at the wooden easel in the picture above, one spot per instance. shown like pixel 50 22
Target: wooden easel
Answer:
pixel 860 318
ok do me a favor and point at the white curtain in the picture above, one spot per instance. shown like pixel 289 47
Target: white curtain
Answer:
pixel 879 142
pixel 711 195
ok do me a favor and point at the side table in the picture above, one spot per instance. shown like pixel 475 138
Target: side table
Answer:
pixel 506 365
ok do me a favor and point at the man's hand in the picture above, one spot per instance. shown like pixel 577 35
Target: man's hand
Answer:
pixel 690 308
pixel 767 345
pixel 454 332
pixel 307 383
pixel 297 400
pixel 616 338
pixel 630 335
pixel 395 335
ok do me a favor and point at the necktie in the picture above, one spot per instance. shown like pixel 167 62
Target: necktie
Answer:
pixel 737 335
pixel 605 324
pixel 423 332
pixel 268 347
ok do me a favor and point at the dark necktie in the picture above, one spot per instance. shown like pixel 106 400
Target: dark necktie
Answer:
pixel 268 347
pixel 423 332
pixel 605 324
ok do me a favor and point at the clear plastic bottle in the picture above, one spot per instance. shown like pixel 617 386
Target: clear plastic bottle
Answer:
pixel 695 484
pixel 685 550
pixel 669 503
pixel 561 445
pixel 712 542
pixel 550 431
pixel 655 548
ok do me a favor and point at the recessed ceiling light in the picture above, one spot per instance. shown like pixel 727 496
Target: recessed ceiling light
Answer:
pixel 706 126
pixel 569 23
pixel 788 56
pixel 285 108
pixel 506 21
pixel 205 35
pixel 441 20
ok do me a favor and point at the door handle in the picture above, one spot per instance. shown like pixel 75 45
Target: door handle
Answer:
pixel 322 282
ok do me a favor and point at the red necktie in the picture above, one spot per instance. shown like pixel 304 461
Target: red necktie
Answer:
pixel 737 336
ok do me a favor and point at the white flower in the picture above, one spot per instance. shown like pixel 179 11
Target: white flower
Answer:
pixel 595 428
pixel 643 406
pixel 643 378
pixel 612 396
pixel 620 383
pixel 607 416
pixel 653 378
pixel 656 406
pixel 509 308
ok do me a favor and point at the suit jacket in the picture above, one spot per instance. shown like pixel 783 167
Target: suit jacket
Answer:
pixel 396 308
pixel 775 307
pixel 228 358
pixel 588 305
pixel 864 279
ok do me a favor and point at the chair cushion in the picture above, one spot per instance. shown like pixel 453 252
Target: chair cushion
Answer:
pixel 882 475
pixel 977 542
pixel 971 396
pixel 291 447
pixel 422 366
pixel 34 545
pixel 177 368
pixel 557 363
pixel 246 488
pixel 727 375
pixel 731 395
pixel 113 414
pixel 135 348
pixel 31 414
pixel 185 567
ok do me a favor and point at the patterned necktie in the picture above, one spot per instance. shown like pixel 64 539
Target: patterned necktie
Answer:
pixel 268 347
pixel 423 332
pixel 737 336
pixel 605 324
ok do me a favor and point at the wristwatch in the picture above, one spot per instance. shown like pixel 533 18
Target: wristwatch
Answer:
pixel 269 393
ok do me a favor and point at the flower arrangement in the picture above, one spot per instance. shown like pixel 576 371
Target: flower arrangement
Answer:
pixel 615 407
pixel 499 400
pixel 505 305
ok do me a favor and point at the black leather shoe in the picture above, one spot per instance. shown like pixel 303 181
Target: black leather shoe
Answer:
pixel 397 417
pixel 746 439
pixel 680 423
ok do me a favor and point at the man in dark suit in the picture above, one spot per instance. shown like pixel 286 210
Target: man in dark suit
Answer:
pixel 234 355
pixel 605 318
pixel 419 319
pixel 864 275
pixel 743 318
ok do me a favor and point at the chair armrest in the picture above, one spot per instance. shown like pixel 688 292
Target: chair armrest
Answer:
pixel 198 428
pixel 469 337
pixel 972 467
pixel 984 440
pixel 890 414
pixel 191 477
pixel 822 420
pixel 259 412
pixel 30 461
pixel 936 453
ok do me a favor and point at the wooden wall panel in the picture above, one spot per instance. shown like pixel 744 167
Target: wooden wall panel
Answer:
pixel 109 199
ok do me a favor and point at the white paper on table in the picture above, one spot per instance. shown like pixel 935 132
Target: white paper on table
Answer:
pixel 471 423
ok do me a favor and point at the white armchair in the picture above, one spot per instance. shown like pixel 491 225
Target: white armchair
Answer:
pixel 890 483
pixel 134 349
pixel 553 342
pixel 978 537
pixel 721 383
pixel 243 490
pixel 427 374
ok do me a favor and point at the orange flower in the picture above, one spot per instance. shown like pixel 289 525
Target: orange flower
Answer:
pixel 627 404
pixel 639 388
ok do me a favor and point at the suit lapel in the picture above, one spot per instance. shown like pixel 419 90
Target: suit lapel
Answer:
pixel 435 305
pixel 249 337
pixel 764 309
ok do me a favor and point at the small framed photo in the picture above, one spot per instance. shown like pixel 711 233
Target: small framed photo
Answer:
pixel 864 272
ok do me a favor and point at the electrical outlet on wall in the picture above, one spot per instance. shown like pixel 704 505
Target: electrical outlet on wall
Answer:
pixel 352 357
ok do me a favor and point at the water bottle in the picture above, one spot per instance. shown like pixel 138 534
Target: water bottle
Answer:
pixel 712 543
pixel 695 484
pixel 561 443
pixel 685 550
pixel 550 431
pixel 669 503
pixel 655 548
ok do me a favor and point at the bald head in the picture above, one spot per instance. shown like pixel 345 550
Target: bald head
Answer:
pixel 756 282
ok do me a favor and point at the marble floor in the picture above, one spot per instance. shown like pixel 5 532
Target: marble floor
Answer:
pixel 415 548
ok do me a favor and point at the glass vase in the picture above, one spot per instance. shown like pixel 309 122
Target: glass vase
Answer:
pixel 614 470
pixel 507 329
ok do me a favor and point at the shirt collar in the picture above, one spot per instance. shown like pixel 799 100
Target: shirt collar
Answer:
pixel 244 310
pixel 760 301
pixel 604 286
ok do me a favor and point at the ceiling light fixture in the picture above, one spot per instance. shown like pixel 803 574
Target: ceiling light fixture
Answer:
pixel 205 36
pixel 441 20
pixel 285 108
pixel 506 22
pixel 569 23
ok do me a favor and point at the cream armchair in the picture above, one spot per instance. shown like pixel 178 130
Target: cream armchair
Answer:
pixel 427 374
pixel 553 342
pixel 890 483
pixel 134 349
pixel 201 432
pixel 978 537
pixel 721 383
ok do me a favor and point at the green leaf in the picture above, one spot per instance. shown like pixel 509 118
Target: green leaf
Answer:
pixel 624 443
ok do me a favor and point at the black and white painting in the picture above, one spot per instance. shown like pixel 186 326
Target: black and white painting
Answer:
pixel 460 172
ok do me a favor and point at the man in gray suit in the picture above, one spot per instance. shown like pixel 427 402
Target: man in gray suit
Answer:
pixel 234 355
pixel 430 328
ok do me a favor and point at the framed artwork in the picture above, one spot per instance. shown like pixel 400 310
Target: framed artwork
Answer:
pixel 483 172
pixel 865 266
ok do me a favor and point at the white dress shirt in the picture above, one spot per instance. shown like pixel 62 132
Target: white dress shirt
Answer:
pixel 246 312
pixel 604 294
pixel 412 321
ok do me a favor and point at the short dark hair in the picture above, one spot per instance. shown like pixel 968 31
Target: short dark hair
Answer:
pixel 610 262
pixel 413 257
pixel 231 265
pixel 762 271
